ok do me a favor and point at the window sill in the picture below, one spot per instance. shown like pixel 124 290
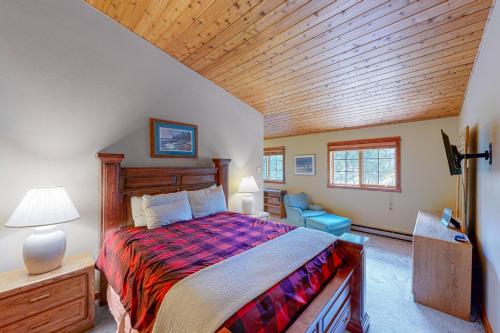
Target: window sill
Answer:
pixel 368 188
pixel 274 181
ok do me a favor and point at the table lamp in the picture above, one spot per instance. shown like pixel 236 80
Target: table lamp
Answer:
pixel 248 186
pixel 43 207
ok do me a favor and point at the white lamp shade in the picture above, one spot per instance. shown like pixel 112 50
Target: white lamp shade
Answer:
pixel 248 185
pixel 43 206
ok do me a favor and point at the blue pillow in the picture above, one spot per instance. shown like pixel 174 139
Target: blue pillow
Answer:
pixel 298 200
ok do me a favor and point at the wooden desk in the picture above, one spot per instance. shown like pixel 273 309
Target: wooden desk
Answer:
pixel 442 267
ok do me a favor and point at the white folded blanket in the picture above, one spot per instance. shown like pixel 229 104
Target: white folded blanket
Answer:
pixel 203 301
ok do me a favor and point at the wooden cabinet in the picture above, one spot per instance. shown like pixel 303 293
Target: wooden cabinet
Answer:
pixel 273 202
pixel 442 267
pixel 59 301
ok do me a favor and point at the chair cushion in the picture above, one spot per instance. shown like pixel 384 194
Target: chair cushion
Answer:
pixel 297 200
pixel 311 213
pixel 330 223
pixel 315 207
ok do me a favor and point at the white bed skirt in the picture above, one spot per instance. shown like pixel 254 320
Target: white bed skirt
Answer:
pixel 121 316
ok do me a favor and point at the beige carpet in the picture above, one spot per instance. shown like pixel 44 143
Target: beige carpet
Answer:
pixel 389 298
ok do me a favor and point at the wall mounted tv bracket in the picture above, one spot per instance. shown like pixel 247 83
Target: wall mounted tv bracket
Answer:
pixel 487 155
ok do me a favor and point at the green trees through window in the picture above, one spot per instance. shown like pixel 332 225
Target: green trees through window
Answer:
pixel 365 164
pixel 273 167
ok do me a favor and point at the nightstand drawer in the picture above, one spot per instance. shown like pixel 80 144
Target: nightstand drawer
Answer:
pixel 272 201
pixel 56 319
pixel 272 209
pixel 36 300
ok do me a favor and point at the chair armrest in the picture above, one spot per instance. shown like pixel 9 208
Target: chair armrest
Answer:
pixel 293 210
pixel 315 207
pixel 294 215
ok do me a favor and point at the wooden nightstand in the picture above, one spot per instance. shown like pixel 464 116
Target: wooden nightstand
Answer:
pixel 60 301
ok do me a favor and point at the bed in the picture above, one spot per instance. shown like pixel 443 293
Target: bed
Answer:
pixel 327 289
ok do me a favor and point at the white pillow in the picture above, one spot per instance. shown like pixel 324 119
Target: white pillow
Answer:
pixel 163 209
pixel 207 201
pixel 138 213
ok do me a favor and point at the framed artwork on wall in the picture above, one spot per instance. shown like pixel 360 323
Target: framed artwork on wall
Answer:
pixel 173 139
pixel 305 165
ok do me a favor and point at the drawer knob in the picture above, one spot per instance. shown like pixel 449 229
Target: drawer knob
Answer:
pixel 39 298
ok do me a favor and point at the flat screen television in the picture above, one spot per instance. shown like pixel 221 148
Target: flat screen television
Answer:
pixel 453 155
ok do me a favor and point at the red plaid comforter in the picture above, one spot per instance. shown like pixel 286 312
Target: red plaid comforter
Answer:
pixel 142 265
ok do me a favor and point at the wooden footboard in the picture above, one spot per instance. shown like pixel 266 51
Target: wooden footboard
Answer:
pixel 341 304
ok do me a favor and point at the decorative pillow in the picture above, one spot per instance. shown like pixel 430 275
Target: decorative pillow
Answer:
pixel 163 209
pixel 138 213
pixel 298 200
pixel 207 201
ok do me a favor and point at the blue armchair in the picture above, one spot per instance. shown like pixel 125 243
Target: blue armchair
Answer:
pixel 298 209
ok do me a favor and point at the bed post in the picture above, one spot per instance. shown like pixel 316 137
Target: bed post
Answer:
pixel 110 202
pixel 222 176
pixel 353 247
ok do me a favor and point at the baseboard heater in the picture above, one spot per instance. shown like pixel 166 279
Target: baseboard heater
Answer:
pixel 381 232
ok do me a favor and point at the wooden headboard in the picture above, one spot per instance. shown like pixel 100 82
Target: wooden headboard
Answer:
pixel 118 185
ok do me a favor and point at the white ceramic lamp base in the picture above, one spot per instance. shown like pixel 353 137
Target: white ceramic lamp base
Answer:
pixel 247 204
pixel 43 251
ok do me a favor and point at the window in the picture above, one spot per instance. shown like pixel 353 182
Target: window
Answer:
pixel 273 168
pixel 372 164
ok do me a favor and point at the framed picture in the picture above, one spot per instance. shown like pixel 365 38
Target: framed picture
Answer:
pixel 305 165
pixel 173 139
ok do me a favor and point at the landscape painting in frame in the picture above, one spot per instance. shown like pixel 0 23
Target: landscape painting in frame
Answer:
pixel 173 139
pixel 305 165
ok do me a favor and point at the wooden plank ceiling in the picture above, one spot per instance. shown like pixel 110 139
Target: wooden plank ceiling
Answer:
pixel 319 65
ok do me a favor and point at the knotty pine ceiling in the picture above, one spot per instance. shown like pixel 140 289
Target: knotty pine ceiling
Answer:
pixel 318 65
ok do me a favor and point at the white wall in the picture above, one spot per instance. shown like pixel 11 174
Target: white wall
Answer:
pixel 425 179
pixel 74 83
pixel 481 111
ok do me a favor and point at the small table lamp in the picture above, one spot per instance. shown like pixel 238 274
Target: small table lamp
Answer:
pixel 248 186
pixel 42 207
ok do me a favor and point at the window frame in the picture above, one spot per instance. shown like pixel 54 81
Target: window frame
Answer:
pixel 275 151
pixel 378 143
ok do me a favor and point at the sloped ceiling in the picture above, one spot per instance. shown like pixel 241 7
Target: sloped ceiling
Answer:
pixel 319 65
